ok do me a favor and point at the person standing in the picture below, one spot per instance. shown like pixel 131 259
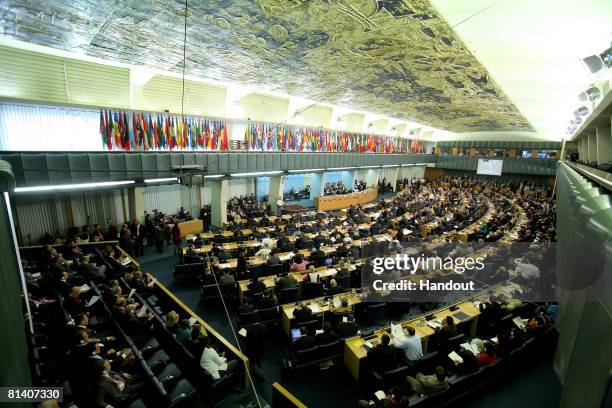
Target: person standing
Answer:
pixel 279 207
pixel 176 237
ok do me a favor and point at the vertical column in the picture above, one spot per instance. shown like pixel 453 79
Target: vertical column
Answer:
pixel 275 191
pixel 391 175
pixel 604 145
pixel 372 177
pixel 592 140
pixel 136 202
pixel 218 202
pixel 316 185
pixel 584 141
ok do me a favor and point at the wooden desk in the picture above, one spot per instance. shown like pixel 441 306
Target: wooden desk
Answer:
pixel 337 202
pixel 189 227
pixel 270 281
pixel 321 307
pixel 354 352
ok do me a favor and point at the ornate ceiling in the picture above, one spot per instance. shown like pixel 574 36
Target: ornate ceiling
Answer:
pixel 393 57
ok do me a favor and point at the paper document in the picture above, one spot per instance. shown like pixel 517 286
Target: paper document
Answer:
pixel 470 347
pixel 380 394
pixel 318 332
pixel 93 300
pixel 344 319
pixel 434 325
pixel 397 331
pixel 313 277
pixel 142 311
pixel 455 357
pixel 132 293
pixel 242 332
pixel 337 302
pixel 494 340
pixel 84 288
pixel 314 308
pixel 519 322
pixel 192 321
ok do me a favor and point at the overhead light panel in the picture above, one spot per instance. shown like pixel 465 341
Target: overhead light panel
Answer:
pixel 593 64
pixel 593 93
pixel 214 176
pixel 260 173
pixel 390 165
pixel 160 180
pixel 341 168
pixel 306 171
pixel 582 111
pixel 64 187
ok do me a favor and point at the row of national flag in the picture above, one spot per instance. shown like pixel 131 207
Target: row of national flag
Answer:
pixel 278 137
pixel 139 131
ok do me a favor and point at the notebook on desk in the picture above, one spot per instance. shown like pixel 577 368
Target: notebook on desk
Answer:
pixel 461 316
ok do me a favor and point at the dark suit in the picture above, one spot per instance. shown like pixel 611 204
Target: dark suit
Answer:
pixel 285 282
pixel 302 314
pixel 304 343
pixel 382 358
pixel 347 329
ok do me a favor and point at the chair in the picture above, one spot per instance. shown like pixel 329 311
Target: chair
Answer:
pixel 427 363
pixel 307 355
pixel 394 377
pixel 273 270
pixel 209 292
pixel 169 376
pixel 182 391
pixel 453 342
pixel 247 318
pixel 256 270
pixel 289 295
pixel 158 361
pixel 269 314
pixel 375 312
pixel 330 350
pixel 344 282
pixel 312 290
pixel 310 325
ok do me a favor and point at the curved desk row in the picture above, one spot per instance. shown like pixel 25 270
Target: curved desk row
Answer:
pixel 338 202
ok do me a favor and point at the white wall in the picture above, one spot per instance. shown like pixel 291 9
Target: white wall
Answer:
pixel 241 186
pixel 411 172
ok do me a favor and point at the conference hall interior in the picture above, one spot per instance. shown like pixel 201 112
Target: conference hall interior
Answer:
pixel 305 203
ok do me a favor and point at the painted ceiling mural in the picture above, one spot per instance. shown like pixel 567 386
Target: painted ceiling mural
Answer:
pixel 393 57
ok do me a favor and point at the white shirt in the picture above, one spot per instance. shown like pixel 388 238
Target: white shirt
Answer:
pixel 411 346
pixel 263 252
pixel 213 362
pixel 279 203
pixel 267 243
pixel 526 270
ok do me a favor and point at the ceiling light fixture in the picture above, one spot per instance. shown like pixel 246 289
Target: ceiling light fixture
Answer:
pixel 260 173
pixel 62 187
pixel 306 171
pixel 160 180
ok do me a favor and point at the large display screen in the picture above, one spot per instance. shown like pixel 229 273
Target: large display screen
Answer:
pixel 490 167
